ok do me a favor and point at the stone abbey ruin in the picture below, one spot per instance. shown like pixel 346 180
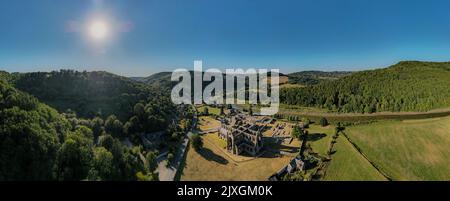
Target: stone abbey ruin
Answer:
pixel 242 134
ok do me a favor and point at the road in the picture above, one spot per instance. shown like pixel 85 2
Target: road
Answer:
pixel 168 173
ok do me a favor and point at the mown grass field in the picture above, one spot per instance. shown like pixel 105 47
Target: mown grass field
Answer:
pixel 213 164
pixel 207 123
pixel 407 150
pixel 211 110
pixel 348 165
pixel 320 138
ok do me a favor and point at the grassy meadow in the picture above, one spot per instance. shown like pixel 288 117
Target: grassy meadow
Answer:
pixel 212 163
pixel 320 138
pixel 349 165
pixel 409 149
pixel 211 110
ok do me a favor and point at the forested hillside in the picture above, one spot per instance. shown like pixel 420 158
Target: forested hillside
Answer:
pixel 315 77
pixel 161 79
pixel 89 94
pixel 38 143
pixel 128 108
pixel 406 86
pixel 97 111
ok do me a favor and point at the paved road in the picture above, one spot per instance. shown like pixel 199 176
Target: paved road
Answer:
pixel 169 173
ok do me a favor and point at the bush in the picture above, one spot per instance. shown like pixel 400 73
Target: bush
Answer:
pixel 306 122
pixel 170 158
pixel 197 141
pixel 323 122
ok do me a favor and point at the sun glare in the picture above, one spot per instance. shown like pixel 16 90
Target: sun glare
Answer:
pixel 98 30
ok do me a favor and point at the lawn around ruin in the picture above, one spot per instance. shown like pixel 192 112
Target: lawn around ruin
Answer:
pixel 214 163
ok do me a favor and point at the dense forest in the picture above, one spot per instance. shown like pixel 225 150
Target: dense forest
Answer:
pixel 40 143
pixel 161 79
pixel 406 86
pixel 89 94
pixel 315 77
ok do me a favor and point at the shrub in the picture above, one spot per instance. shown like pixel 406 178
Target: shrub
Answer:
pixel 323 122
pixel 197 142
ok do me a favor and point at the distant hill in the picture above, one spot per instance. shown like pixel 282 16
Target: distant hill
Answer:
pixel 315 77
pixel 161 79
pixel 406 86
pixel 86 93
pixel 138 79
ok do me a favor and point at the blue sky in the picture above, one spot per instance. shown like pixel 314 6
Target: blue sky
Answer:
pixel 148 36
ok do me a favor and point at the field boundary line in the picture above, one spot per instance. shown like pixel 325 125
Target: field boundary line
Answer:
pixel 365 157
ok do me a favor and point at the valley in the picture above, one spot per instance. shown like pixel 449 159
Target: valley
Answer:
pixel 384 124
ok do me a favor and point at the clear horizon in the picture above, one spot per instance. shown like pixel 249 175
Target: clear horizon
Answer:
pixel 140 38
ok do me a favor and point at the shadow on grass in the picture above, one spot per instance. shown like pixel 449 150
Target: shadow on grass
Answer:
pixel 274 148
pixel 182 165
pixel 289 149
pixel 211 156
pixel 314 136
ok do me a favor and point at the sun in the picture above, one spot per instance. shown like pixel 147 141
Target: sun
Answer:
pixel 98 30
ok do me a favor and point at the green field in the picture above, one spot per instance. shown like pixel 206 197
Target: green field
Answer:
pixel 213 163
pixel 320 138
pixel 211 110
pixel 407 150
pixel 348 165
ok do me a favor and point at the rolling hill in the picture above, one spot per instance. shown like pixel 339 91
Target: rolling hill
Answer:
pixel 87 93
pixel 39 144
pixel 406 86
pixel 315 77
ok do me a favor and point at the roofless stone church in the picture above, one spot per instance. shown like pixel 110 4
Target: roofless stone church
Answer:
pixel 241 134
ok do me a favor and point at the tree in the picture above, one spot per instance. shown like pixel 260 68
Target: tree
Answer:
pixel 139 110
pixel 133 126
pixel 206 111
pixel 106 141
pixel 86 132
pixel 113 126
pixel 74 158
pixel 170 158
pixel 297 132
pixel 27 149
pixel 187 124
pixel 97 126
pixel 197 142
pixel 140 176
pixel 150 162
pixel 323 122
pixel 131 164
pixel 102 165
pixel 339 128
pixel 306 122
